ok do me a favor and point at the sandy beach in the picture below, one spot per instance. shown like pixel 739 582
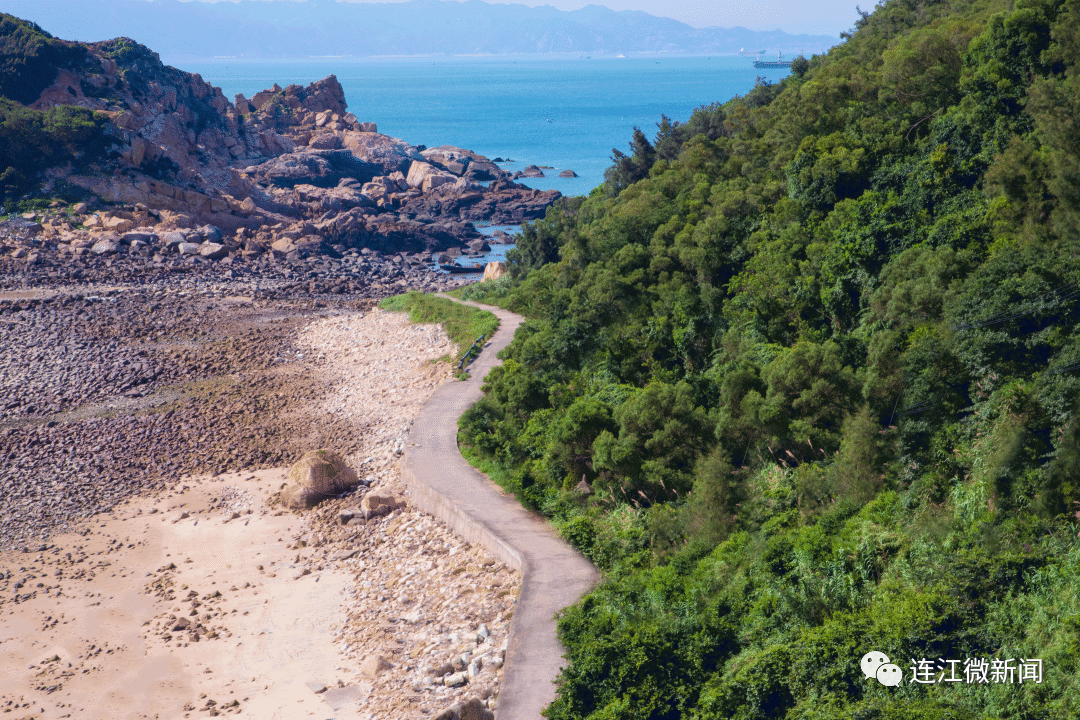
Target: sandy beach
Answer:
pixel 206 597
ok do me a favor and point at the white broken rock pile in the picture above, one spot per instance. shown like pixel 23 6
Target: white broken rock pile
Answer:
pixel 382 371
pixel 427 615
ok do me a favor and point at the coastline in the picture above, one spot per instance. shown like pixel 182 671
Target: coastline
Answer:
pixel 498 106
pixel 328 596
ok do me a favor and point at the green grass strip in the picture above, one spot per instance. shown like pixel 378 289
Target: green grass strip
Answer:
pixel 491 292
pixel 463 324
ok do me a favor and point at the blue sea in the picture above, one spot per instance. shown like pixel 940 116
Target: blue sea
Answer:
pixel 565 113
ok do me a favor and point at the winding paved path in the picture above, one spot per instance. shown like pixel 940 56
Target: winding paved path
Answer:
pixel 553 574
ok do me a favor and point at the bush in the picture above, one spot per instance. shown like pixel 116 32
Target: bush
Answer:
pixel 33 140
pixel 823 341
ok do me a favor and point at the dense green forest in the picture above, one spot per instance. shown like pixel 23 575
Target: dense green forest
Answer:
pixel 815 355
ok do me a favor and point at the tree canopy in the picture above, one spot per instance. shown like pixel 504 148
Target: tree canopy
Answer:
pixel 816 352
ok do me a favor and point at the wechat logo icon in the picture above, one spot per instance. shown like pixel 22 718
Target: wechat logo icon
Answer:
pixel 876 665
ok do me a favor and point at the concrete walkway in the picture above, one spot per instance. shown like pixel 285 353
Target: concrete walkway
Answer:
pixel 553 574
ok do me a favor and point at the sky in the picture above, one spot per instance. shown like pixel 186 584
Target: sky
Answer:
pixel 822 17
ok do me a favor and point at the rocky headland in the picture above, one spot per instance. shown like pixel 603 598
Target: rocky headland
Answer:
pixel 182 175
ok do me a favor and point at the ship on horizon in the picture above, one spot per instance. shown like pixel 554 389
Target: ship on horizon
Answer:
pixel 772 64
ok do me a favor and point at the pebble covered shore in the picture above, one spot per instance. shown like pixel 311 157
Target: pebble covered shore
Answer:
pixel 118 394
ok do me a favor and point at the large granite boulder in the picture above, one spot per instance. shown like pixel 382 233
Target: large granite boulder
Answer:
pixel 479 245
pixel 318 475
pixel 372 666
pixel 483 171
pixel 321 168
pixel 494 270
pixel 531 171
pixel 380 502
pixel 105 247
pixel 390 153
pixel 213 251
pixel 426 176
pixel 464 163
pixel 325 141
pixel 502 202
pixel 449 158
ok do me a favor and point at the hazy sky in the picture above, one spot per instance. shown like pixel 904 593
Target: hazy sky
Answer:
pixel 823 17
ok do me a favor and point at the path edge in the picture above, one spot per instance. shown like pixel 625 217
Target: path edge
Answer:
pixel 475 530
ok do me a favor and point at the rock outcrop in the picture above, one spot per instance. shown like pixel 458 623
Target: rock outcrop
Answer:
pixel 317 476
pixel 392 154
pixel 295 105
pixel 464 163
pixel 501 202
pixel 287 170
pixel 321 168
pixel 494 270
pixel 532 171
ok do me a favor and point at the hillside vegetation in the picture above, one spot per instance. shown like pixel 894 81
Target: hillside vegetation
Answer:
pixel 815 353
pixel 34 140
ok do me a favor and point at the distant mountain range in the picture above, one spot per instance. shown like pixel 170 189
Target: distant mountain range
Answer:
pixel 319 28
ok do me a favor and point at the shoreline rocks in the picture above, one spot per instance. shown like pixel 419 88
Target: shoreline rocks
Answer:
pixel 286 161
pixel 412 595
pixel 532 171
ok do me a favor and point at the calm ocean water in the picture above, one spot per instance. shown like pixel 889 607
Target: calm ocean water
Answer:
pixel 566 113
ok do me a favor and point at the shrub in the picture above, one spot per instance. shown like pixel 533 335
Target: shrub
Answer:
pixel 33 140
pixel 30 59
